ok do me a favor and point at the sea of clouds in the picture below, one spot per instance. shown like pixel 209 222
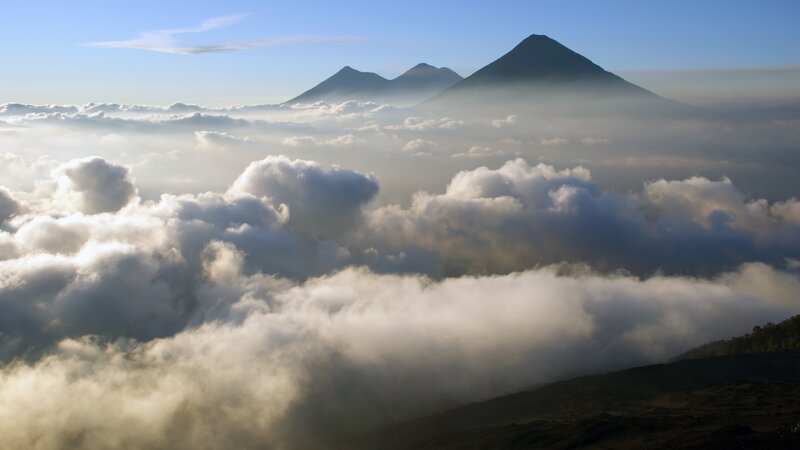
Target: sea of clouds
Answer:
pixel 281 276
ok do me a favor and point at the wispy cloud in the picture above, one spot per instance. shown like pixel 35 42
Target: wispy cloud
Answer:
pixel 164 41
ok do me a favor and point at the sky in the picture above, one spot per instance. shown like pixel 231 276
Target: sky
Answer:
pixel 51 51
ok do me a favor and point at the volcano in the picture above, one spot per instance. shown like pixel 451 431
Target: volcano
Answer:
pixel 416 84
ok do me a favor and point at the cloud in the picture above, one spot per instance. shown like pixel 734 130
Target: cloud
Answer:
pixel 510 120
pixel 135 273
pixel 93 185
pixel 155 123
pixel 705 201
pixel 422 147
pixel 164 41
pixel 17 173
pixel 44 234
pixel 210 140
pixel 345 140
pixel 20 109
pixel 787 210
pixel 198 119
pixel 274 302
pixel 175 108
pixel 324 202
pixel 424 123
pixel 299 141
pixel 595 140
pixel 556 141
pixel 478 152
pixel 258 316
pixel 299 365
pixel 487 221
pixel 9 206
pixel 519 216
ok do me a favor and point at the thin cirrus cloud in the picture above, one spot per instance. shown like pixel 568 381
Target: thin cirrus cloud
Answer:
pixel 164 41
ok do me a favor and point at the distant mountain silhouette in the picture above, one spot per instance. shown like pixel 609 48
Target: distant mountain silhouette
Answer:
pixel 426 77
pixel 416 84
pixel 540 59
pixel 540 69
pixel 347 83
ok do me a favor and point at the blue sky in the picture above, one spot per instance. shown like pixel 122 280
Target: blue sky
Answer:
pixel 46 57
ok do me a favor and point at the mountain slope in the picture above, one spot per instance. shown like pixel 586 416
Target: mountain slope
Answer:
pixel 347 83
pixel 783 336
pixel 416 84
pixel 749 398
pixel 540 59
pixel 541 72
pixel 743 401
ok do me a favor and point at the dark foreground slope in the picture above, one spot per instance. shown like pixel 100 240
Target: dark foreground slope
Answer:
pixel 739 401
pixel 783 336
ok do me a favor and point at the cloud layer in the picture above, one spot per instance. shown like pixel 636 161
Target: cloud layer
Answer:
pixel 520 216
pixel 83 255
pixel 215 293
pixel 300 365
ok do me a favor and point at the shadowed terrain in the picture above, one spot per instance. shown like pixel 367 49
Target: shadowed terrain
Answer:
pixel 784 336
pixel 742 400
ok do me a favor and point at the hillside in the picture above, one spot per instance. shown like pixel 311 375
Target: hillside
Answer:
pixel 739 393
pixel 783 336
pixel 743 401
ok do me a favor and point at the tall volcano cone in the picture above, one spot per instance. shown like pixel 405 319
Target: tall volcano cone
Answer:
pixel 541 72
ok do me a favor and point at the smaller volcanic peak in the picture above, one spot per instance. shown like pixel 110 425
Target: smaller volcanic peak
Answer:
pixel 348 72
pixel 423 70
pixel 417 83
pixel 426 76
pixel 347 83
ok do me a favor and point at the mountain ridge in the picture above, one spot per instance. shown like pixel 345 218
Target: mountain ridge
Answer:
pixel 539 76
pixel 418 82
